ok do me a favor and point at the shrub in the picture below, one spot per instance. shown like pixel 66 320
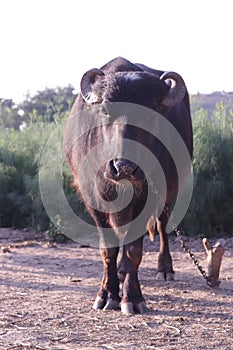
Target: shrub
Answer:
pixel 211 209
pixel 20 202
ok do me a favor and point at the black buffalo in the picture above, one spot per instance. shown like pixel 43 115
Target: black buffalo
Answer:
pixel 101 113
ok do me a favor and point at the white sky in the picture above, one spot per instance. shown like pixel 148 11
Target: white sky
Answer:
pixel 50 43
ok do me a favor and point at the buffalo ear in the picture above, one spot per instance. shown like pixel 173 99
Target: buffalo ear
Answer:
pixel 87 83
pixel 177 88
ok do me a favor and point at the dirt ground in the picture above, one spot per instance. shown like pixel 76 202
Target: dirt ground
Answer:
pixel 47 291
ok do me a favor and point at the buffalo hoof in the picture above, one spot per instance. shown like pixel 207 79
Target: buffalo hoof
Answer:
pixel 141 307
pixel 99 303
pixel 160 276
pixel 164 276
pixel 128 308
pixel 104 304
pixel 112 305
pixel 170 276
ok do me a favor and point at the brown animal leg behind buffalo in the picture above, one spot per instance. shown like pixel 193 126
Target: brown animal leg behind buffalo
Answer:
pixel 165 270
pixel 132 299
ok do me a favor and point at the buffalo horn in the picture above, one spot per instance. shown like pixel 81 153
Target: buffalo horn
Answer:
pixel 87 82
pixel 177 88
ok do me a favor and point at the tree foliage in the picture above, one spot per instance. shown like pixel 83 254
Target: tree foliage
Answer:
pixel 50 105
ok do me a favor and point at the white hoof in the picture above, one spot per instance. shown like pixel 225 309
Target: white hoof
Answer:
pixel 99 303
pixel 160 276
pixel 111 305
pixel 127 308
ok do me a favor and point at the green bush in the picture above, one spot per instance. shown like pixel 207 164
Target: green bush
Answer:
pixel 211 209
pixel 20 202
pixel 20 157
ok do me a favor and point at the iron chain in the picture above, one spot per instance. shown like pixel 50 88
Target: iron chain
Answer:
pixel 185 246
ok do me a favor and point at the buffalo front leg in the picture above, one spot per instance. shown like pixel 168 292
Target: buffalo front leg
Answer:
pixel 108 296
pixel 165 269
pixel 132 299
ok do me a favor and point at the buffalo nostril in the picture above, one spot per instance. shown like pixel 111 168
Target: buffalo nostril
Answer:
pixel 114 167
pixel 122 168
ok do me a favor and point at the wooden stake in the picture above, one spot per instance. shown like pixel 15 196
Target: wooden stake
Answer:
pixel 214 259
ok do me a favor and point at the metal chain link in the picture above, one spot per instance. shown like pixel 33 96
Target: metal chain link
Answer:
pixel 185 246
